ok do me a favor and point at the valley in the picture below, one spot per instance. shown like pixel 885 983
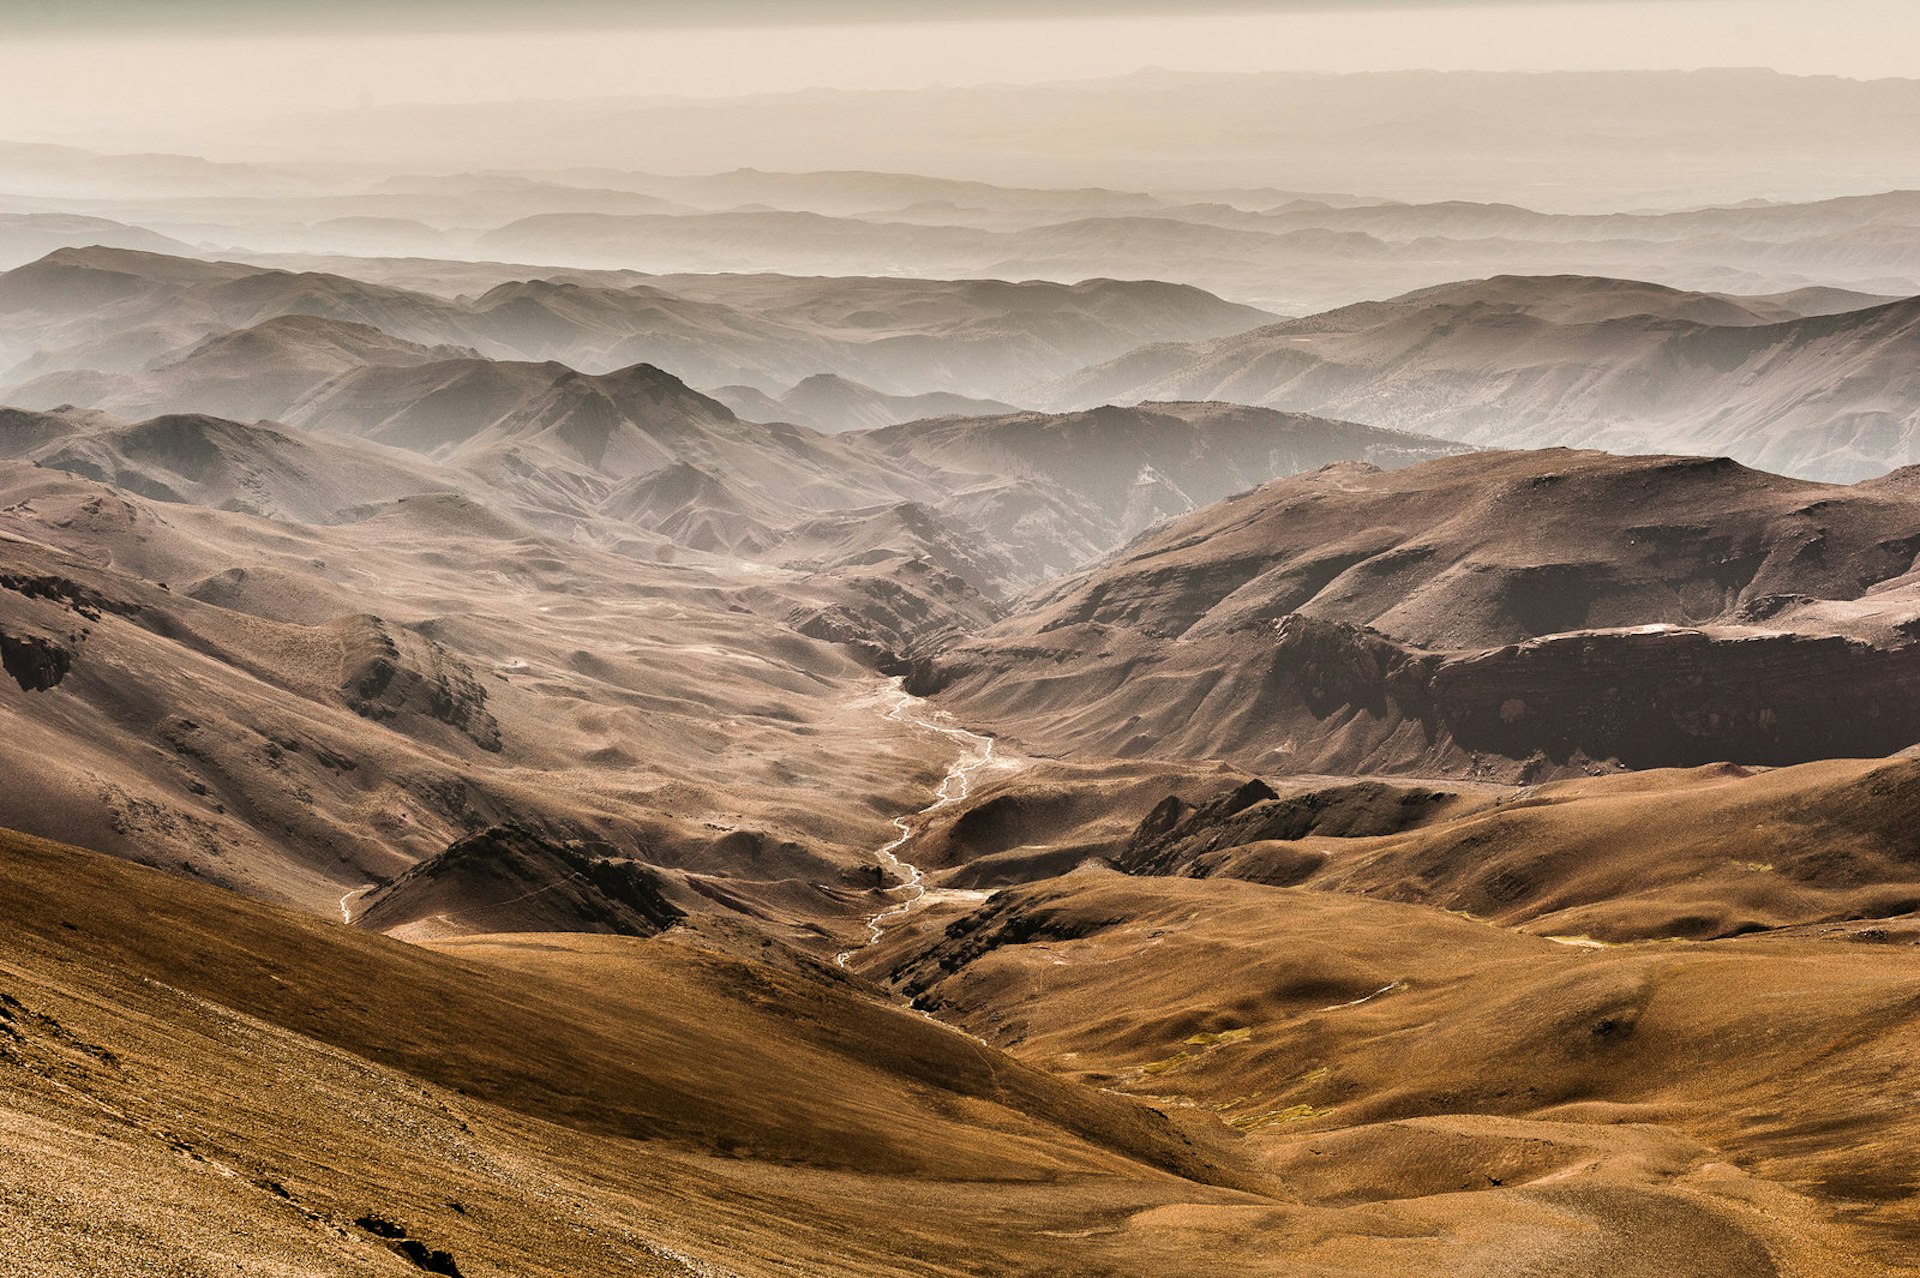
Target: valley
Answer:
pixel 1295 674
pixel 678 742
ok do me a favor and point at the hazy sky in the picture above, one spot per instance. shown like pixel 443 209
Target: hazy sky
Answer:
pixel 148 70
pixel 320 15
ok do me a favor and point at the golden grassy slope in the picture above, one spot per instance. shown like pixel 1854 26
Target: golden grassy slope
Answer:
pixel 194 1083
pixel 1441 1090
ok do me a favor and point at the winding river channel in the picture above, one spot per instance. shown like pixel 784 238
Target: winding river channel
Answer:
pixel 976 752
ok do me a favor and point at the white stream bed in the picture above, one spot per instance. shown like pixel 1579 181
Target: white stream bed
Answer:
pixel 976 753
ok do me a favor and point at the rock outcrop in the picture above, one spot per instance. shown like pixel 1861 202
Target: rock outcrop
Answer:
pixel 511 878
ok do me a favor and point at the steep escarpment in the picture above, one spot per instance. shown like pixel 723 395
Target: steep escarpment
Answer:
pixel 1517 614
pixel 1667 697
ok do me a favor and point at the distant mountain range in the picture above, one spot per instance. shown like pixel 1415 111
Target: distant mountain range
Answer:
pixel 106 310
pixel 1815 382
pixel 1607 138
pixel 1521 362
pixel 1287 249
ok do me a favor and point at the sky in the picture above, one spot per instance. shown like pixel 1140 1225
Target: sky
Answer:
pixel 153 70
pixel 310 15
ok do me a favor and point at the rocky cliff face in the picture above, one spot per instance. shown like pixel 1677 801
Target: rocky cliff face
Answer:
pixel 1650 697
pixel 48 618
pixel 1673 697
pixel 36 663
